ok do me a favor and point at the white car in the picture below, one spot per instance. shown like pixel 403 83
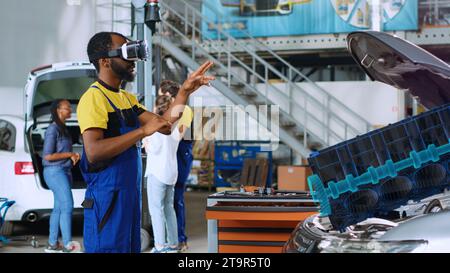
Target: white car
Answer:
pixel 22 138
pixel 433 203
pixel 429 233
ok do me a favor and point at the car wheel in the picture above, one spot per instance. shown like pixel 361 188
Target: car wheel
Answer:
pixel 308 236
pixel 7 228
pixel 433 206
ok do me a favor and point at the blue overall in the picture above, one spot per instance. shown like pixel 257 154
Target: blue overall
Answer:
pixel 111 206
pixel 184 160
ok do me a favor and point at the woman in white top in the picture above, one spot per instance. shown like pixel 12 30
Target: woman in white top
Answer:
pixel 161 172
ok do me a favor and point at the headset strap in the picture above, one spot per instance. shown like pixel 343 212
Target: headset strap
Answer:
pixel 106 54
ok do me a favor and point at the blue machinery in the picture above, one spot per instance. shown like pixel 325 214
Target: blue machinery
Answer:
pixel 381 170
pixel 4 207
pixel 229 160
pixel 372 176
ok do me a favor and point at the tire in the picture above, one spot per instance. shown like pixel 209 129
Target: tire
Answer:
pixel 7 228
pixel 145 239
pixel 312 235
pixel 306 237
pixel 433 206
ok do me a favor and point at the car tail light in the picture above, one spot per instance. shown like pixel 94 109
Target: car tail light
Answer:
pixel 21 168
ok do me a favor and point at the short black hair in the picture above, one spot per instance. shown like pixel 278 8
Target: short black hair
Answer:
pixel 101 42
pixel 170 86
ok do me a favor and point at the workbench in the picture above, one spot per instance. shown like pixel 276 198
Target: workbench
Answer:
pixel 241 222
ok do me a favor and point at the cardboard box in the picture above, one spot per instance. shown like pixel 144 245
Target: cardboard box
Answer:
pixel 293 178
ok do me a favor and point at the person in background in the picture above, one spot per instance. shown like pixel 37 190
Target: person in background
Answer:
pixel 58 160
pixel 161 176
pixel 184 162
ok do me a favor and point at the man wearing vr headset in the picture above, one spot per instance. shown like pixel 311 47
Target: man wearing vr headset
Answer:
pixel 112 123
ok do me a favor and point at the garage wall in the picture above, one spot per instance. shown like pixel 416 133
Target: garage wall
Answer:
pixel 376 102
pixel 13 105
pixel 60 32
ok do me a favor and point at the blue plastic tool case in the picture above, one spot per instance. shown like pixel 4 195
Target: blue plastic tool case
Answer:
pixel 229 159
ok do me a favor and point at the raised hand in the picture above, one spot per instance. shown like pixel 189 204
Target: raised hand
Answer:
pixel 197 78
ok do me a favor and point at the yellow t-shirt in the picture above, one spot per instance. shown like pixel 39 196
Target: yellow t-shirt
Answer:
pixel 186 118
pixel 94 110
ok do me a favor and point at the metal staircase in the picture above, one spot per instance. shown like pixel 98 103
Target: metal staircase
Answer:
pixel 310 118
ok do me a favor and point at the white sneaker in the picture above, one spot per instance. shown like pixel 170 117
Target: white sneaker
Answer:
pixel 72 247
pixel 155 250
pixel 170 249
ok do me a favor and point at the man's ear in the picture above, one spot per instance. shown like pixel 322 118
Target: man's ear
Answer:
pixel 105 62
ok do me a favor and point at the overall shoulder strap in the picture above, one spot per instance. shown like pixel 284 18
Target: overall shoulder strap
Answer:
pixel 128 99
pixel 117 110
pixel 110 102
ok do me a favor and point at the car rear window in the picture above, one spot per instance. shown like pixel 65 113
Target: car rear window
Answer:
pixel 68 88
pixel 7 136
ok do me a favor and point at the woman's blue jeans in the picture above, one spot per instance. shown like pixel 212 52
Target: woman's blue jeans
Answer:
pixel 59 180
pixel 164 220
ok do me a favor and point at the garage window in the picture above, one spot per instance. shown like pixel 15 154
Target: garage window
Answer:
pixel 7 136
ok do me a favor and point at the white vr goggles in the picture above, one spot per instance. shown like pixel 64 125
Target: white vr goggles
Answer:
pixel 131 51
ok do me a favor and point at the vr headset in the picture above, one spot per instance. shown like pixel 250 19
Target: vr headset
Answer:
pixel 131 51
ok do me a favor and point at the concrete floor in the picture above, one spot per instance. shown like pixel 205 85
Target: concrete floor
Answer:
pixel 196 229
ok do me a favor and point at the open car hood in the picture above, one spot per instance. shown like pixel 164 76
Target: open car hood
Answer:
pixel 401 64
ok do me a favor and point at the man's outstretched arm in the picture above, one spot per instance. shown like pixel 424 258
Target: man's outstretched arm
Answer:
pixel 192 83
